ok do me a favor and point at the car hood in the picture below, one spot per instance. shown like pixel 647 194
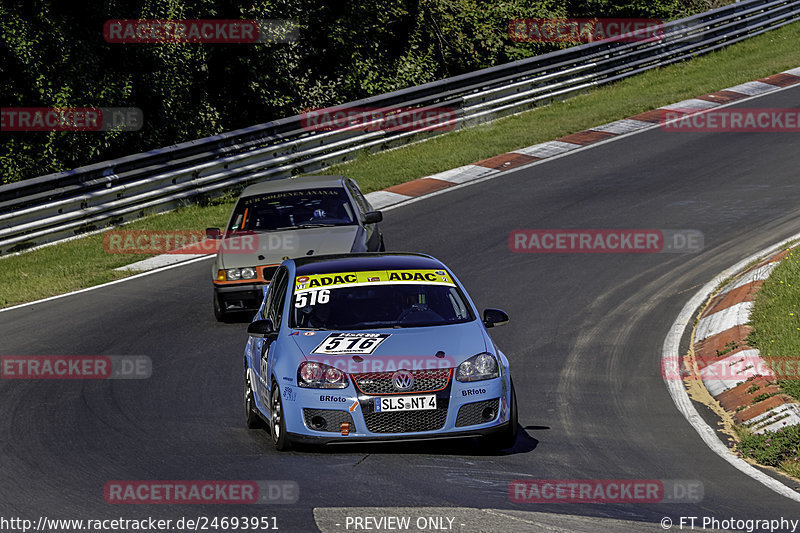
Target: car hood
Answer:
pixel 272 247
pixel 404 348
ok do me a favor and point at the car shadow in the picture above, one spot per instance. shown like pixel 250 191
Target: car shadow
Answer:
pixel 472 446
pixel 238 317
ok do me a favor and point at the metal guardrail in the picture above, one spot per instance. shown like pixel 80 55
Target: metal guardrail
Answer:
pixel 57 206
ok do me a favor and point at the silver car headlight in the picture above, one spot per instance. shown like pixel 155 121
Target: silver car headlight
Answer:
pixel 235 274
pixel 478 367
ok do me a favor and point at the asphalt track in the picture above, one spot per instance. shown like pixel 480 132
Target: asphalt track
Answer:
pixel 584 340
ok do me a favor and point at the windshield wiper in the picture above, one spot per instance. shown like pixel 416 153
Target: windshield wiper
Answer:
pixel 315 225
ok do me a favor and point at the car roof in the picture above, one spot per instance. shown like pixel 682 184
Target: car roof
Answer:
pixel 325 264
pixel 294 183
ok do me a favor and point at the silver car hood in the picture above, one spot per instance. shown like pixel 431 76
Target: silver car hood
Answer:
pixel 272 247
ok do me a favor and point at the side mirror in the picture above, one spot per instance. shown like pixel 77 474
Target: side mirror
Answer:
pixel 261 328
pixel 494 317
pixel 213 233
pixel 373 217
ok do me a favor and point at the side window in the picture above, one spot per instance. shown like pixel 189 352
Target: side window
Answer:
pixel 277 296
pixel 270 297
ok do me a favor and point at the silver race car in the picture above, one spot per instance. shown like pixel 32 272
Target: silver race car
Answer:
pixel 282 219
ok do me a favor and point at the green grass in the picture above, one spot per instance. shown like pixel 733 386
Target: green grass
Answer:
pixel 776 333
pixel 82 263
pixel 776 318
pixel 779 449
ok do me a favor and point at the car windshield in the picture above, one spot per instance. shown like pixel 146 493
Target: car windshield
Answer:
pixel 373 300
pixel 304 208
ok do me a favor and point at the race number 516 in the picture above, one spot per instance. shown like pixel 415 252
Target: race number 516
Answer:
pixel 351 343
pixel 303 299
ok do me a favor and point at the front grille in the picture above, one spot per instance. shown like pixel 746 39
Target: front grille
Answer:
pixel 408 421
pixel 472 413
pixel 333 419
pixel 428 380
pixel 269 271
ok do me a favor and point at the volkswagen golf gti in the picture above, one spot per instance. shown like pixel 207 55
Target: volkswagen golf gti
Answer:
pixel 375 347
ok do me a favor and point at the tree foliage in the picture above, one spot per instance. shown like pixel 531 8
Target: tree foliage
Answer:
pixel 53 54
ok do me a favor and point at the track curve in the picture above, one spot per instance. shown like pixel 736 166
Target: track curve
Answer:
pixel 584 341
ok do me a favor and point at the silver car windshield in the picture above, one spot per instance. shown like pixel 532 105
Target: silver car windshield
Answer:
pixel 305 208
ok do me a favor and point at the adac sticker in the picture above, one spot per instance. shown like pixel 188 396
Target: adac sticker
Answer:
pixel 381 277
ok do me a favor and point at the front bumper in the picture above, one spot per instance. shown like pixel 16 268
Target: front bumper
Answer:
pixel 470 433
pixel 463 410
pixel 240 296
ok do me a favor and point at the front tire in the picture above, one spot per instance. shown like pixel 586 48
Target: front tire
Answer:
pixel 508 437
pixel 277 425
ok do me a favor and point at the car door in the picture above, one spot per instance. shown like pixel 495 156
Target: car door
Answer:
pixel 264 347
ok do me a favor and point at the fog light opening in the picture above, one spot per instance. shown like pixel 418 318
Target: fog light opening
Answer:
pixel 319 423
pixel 488 414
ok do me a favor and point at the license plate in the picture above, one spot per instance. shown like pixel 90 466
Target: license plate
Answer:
pixel 405 403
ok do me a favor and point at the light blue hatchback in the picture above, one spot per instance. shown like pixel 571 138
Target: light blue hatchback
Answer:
pixel 366 347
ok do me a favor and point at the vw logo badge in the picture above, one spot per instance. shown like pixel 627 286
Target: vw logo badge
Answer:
pixel 402 380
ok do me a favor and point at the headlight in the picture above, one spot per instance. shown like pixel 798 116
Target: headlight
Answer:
pixel 477 368
pixel 320 376
pixel 235 274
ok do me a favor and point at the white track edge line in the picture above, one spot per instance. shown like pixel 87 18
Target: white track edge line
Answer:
pixel 671 354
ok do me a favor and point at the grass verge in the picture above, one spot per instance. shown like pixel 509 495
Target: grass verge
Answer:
pixel 775 318
pixel 780 449
pixel 84 262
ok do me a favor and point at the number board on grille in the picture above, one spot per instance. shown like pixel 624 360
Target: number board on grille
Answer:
pixel 351 343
